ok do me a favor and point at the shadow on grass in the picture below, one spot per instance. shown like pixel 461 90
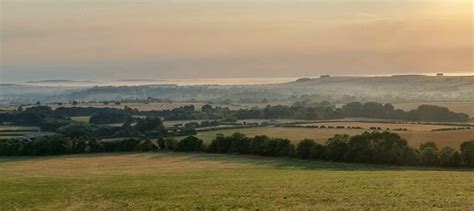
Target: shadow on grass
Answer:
pixel 291 163
pixel 6 159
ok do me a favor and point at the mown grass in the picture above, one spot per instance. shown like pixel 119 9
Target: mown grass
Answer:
pixel 193 181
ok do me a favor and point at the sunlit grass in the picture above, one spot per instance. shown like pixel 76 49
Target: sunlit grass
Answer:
pixel 191 181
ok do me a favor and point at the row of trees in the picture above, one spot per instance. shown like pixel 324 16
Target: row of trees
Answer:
pixel 375 147
pixel 44 116
pixel 58 145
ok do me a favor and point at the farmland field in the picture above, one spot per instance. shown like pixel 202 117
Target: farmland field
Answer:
pixel 14 131
pixel 204 181
pixel 443 138
pixel 149 106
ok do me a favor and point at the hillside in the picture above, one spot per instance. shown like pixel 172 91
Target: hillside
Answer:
pixel 334 89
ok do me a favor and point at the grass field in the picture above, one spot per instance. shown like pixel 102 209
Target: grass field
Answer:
pixel 415 138
pixel 81 118
pixel 204 181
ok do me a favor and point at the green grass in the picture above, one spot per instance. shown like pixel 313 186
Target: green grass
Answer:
pixel 81 118
pixel 192 181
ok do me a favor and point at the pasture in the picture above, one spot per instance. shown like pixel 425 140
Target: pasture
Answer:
pixel 206 181
pixel 414 137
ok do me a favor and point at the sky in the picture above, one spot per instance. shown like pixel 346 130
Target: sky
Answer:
pixel 166 39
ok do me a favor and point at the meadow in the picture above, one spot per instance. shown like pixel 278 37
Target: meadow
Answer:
pixel 207 181
pixel 451 138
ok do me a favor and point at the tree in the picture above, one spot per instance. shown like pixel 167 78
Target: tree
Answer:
pixel 449 157
pixel 317 151
pixel 428 156
pixel 149 124
pixel 146 146
pixel 239 143
pixel 467 153
pixel 336 147
pixel 257 145
pixel 189 144
pixel 128 145
pixel 284 148
pixel 428 144
pixel 304 149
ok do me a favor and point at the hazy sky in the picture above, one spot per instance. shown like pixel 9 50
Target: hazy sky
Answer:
pixel 117 39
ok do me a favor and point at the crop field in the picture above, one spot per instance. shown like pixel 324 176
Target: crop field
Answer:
pixel 150 106
pixel 464 107
pixel 442 138
pixel 391 126
pixel 206 181
pixel 14 131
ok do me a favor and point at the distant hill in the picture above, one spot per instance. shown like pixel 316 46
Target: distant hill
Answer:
pixel 57 81
pixel 400 88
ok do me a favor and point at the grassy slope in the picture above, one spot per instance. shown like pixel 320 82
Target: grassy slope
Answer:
pixel 171 180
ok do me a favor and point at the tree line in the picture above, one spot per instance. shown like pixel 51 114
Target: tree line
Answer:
pixel 46 117
pixel 373 147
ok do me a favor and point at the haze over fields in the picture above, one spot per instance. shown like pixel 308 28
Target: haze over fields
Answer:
pixel 117 39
